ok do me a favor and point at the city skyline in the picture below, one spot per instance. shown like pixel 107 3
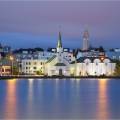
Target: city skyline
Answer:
pixel 33 24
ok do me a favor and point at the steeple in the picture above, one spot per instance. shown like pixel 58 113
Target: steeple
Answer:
pixel 86 40
pixel 59 44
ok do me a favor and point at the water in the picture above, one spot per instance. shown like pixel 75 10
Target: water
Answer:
pixel 64 98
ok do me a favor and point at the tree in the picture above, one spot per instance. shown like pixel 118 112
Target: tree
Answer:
pixel 101 49
pixel 39 72
pixel 117 69
pixel 15 70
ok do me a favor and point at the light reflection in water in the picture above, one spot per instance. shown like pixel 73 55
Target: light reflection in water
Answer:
pixel 10 101
pixel 30 91
pixel 30 96
pixel 102 100
pixel 75 98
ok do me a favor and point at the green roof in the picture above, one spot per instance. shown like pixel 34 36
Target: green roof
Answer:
pixel 52 58
pixel 59 44
pixel 60 64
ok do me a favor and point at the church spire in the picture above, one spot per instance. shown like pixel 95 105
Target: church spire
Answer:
pixel 59 44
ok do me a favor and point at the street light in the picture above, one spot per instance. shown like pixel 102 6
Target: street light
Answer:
pixel 11 59
pixel 0 68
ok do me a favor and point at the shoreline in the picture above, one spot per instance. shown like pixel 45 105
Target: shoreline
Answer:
pixel 55 77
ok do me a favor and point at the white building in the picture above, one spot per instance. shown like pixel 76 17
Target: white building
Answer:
pixel 32 66
pixel 59 64
pixel 92 66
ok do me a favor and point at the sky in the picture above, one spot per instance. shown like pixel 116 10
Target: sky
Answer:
pixel 25 24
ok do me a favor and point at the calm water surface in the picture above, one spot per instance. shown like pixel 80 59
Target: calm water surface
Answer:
pixel 64 98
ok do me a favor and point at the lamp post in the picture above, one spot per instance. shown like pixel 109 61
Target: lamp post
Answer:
pixel 0 68
pixel 11 59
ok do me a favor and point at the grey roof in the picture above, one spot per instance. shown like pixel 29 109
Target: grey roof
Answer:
pixel 81 59
pixel 60 64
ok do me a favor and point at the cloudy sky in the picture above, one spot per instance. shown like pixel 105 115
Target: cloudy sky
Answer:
pixel 36 23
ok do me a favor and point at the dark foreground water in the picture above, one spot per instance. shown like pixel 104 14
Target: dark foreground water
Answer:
pixel 40 98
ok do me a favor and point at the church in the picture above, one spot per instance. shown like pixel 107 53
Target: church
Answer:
pixel 59 64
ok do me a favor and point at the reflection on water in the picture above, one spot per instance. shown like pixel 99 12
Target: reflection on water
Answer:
pixel 10 100
pixel 103 110
pixel 60 98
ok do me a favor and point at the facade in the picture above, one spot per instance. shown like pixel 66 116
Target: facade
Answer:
pixel 33 66
pixel 5 67
pixel 59 64
pixel 86 66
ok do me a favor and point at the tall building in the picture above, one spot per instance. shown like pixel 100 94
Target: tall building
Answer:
pixel 85 40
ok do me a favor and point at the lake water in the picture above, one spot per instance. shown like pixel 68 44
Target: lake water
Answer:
pixel 60 98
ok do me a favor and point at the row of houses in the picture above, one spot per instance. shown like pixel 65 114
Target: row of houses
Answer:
pixel 65 62
pixel 61 61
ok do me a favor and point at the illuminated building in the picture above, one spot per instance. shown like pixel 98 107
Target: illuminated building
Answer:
pixel 85 40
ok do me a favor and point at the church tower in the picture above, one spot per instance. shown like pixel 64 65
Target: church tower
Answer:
pixel 59 44
pixel 86 40
pixel 59 50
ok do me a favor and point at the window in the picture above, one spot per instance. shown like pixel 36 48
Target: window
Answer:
pixel 34 67
pixel 26 67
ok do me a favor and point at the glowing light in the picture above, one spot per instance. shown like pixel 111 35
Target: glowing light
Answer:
pixel 72 70
pixel 11 58
pixel 10 107
pixel 56 71
pixel 102 58
pixel 102 100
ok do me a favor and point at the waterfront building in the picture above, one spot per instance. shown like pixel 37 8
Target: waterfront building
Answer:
pixel 59 63
pixel 33 66
pixel 5 67
pixel 92 66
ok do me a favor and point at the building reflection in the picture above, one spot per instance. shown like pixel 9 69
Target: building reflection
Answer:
pixel 10 100
pixel 103 110
pixel 30 90
pixel 30 98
